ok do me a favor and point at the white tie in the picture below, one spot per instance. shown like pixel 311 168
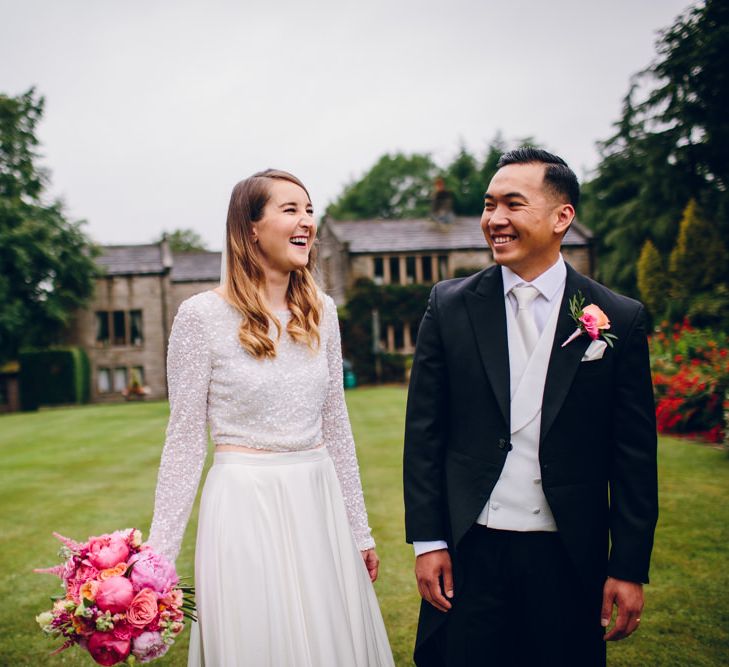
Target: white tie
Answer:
pixel 524 317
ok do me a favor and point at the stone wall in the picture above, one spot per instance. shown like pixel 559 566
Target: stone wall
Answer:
pixel 179 292
pixel 472 260
pixel 126 293
pixel 332 266
pixel 579 259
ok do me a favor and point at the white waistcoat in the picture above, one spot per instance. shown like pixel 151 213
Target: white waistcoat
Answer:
pixel 517 501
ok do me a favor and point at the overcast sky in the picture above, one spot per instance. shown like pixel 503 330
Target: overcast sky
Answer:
pixel 155 109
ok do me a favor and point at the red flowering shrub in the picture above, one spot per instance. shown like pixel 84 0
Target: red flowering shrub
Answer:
pixel 690 377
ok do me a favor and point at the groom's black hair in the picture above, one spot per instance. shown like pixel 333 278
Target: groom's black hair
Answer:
pixel 558 177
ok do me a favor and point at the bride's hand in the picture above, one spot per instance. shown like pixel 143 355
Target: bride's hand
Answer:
pixel 372 562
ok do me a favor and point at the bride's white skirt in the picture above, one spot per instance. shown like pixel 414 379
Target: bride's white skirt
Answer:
pixel 279 580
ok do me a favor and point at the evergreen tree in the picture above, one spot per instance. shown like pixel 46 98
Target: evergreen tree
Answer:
pixel 464 179
pixel 496 149
pixel 669 147
pixel 652 280
pixel 698 260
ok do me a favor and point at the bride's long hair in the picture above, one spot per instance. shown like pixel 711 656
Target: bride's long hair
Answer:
pixel 245 278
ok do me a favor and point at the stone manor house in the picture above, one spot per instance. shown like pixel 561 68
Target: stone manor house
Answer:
pixel 125 328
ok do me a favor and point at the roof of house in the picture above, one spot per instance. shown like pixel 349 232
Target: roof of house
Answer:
pixel 195 266
pixel 155 259
pixel 368 236
pixel 124 260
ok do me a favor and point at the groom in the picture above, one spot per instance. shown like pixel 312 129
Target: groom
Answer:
pixel 530 466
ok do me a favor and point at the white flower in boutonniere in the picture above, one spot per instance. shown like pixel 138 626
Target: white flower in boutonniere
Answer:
pixel 590 320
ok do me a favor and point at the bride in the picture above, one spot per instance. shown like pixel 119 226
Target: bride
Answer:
pixel 284 560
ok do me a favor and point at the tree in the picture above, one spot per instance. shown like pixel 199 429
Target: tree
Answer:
pixel 496 149
pixel 402 186
pixel 184 240
pixel 697 263
pixel 691 102
pixel 652 280
pixel 47 268
pixel 468 179
pixel 463 178
pixel 397 186
pixel 669 147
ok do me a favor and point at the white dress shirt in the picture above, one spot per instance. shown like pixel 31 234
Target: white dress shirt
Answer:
pixel 550 286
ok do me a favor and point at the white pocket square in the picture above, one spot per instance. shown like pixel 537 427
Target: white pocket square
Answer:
pixel 594 351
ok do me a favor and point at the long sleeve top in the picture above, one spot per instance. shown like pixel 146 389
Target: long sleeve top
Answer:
pixel 292 402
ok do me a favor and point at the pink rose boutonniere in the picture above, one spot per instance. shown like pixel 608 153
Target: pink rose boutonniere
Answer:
pixel 590 320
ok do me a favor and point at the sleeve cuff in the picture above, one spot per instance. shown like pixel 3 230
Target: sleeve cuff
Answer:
pixel 433 545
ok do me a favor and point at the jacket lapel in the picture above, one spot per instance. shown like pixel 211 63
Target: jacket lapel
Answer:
pixel 564 361
pixel 486 311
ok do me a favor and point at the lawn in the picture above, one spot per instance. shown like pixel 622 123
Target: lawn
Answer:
pixel 86 470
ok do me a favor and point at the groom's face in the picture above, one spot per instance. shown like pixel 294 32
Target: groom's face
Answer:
pixel 521 220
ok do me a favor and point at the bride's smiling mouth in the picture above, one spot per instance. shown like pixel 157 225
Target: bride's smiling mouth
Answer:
pixel 301 241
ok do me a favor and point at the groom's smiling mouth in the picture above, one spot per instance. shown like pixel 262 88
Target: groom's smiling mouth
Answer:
pixel 501 239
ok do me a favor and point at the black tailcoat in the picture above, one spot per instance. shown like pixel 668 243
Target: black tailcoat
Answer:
pixel 597 448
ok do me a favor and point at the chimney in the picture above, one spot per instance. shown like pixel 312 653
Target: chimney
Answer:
pixel 442 209
pixel 165 252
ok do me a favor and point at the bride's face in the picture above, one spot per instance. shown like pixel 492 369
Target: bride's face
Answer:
pixel 285 234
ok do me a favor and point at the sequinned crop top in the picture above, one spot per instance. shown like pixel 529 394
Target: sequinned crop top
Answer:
pixel 292 402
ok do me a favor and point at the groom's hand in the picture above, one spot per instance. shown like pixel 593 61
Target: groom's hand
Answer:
pixel 627 596
pixel 431 569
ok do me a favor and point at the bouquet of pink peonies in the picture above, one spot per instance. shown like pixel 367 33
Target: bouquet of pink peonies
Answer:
pixel 121 599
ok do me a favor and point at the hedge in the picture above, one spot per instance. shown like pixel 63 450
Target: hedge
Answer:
pixel 54 377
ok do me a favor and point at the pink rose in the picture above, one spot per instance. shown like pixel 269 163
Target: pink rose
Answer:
pixel 106 649
pixel 115 595
pixel 107 550
pixel 143 609
pixel 590 323
pixel 152 570
pixel 148 646
pixel 116 571
pixel 601 319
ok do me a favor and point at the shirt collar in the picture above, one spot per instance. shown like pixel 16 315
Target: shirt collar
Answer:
pixel 548 283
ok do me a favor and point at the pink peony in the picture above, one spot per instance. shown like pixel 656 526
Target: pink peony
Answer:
pixel 151 570
pixel 115 595
pixel 107 551
pixel 590 323
pixel 143 609
pixel 149 646
pixel 122 630
pixel 106 649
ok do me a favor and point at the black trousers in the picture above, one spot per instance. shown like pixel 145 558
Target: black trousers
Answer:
pixel 519 603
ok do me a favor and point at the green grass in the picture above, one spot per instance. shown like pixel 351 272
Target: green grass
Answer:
pixel 86 470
